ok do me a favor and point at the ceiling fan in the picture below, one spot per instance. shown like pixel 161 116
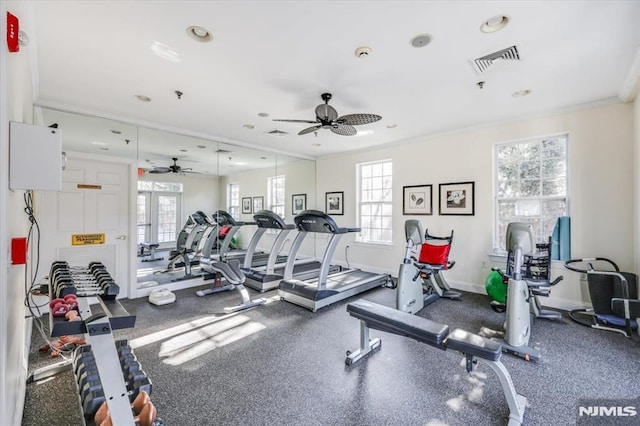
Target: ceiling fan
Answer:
pixel 174 168
pixel 327 118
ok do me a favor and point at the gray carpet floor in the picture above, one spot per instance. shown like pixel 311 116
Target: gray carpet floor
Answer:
pixel 282 364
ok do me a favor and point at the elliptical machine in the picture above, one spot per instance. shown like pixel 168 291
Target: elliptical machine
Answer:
pixel 528 273
pixel 425 258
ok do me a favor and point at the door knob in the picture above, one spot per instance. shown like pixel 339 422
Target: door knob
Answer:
pixel 121 237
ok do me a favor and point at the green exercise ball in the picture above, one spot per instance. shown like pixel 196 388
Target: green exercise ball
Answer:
pixel 496 289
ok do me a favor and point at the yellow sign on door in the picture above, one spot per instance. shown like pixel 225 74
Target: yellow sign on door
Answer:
pixel 87 239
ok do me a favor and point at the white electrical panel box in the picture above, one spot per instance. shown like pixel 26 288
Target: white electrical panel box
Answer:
pixel 35 157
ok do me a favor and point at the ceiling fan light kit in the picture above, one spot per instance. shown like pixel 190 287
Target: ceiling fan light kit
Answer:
pixel 327 118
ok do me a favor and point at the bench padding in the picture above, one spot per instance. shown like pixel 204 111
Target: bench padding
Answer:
pixel 391 320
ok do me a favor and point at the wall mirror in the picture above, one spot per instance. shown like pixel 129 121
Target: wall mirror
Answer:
pixel 175 175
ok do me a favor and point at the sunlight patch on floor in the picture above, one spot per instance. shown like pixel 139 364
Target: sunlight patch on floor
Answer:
pixel 178 329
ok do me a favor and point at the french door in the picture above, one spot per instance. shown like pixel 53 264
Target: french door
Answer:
pixel 158 217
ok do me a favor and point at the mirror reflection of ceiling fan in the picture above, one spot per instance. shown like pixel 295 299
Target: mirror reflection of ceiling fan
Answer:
pixel 327 118
pixel 174 168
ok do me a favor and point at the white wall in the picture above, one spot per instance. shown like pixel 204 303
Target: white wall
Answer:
pixel 636 180
pixel 15 105
pixel 600 189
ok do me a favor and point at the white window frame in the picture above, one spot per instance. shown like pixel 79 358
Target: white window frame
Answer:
pixel 233 200
pixel 366 206
pixel 543 233
pixel 276 199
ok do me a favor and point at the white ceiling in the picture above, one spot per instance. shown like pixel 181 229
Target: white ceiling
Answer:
pixel 277 57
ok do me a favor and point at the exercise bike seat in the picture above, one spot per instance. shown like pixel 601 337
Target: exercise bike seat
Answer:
pixel 230 270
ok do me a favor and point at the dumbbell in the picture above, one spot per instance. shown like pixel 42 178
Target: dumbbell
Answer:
pixel 137 406
pixel 61 306
pixel 92 402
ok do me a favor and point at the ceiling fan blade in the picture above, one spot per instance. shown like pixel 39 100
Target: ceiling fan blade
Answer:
pixel 296 121
pixel 357 119
pixel 310 129
pixel 343 129
pixel 160 170
pixel 326 112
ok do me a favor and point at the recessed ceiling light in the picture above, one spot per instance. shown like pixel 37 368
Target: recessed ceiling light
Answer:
pixel 316 144
pixel 248 126
pixel 199 33
pixel 521 93
pixel 143 98
pixel 183 150
pixel 201 146
pixel 263 158
pixel 104 148
pixel 363 51
pixel 391 126
pixel 421 40
pixel 263 114
pixel 99 143
pixel 494 24
pixel 116 132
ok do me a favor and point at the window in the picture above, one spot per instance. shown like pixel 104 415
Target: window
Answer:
pixel 530 186
pixel 233 197
pixel 158 211
pixel 275 195
pixel 375 201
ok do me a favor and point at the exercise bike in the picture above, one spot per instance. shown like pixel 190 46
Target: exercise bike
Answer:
pixel 528 274
pixel 420 278
pixel 613 294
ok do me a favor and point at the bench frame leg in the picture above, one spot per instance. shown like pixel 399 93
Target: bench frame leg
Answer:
pixel 367 345
pixel 516 402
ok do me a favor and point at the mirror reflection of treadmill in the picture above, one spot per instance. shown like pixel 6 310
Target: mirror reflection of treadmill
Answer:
pixel 221 250
pixel 327 288
pixel 268 277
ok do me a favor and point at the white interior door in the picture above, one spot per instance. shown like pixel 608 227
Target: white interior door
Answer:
pixel 94 200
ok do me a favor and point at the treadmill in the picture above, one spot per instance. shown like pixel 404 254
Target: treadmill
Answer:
pixel 268 277
pixel 224 252
pixel 327 288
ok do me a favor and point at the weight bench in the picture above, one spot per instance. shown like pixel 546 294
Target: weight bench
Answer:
pixel 235 279
pixel 472 346
pixel 150 251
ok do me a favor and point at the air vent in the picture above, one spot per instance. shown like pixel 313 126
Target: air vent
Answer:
pixel 484 63
pixel 276 132
pixel 222 151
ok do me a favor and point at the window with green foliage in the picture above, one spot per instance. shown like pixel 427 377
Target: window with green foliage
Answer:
pixel 375 201
pixel 530 185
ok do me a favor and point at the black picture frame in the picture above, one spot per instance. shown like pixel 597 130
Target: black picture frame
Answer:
pixel 334 203
pixel 457 199
pixel 298 203
pixel 417 200
pixel 258 204
pixel 246 205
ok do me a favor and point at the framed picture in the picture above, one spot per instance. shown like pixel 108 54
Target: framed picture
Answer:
pixel 298 203
pixel 258 202
pixel 457 198
pixel 417 199
pixel 246 205
pixel 334 203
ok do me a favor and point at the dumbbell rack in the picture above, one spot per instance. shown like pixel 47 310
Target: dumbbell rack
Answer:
pixel 98 329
